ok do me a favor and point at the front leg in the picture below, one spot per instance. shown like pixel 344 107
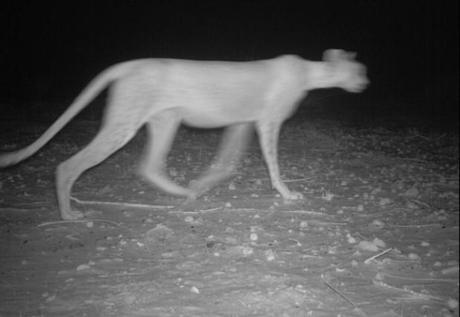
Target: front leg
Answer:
pixel 268 136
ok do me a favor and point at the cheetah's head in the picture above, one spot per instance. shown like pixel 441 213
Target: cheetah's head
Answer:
pixel 346 72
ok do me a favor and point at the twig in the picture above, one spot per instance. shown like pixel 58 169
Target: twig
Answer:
pixel 194 212
pixel 450 270
pixel 355 307
pixel 326 223
pixel 421 280
pixel 338 292
pixel 377 255
pixel 405 290
pixel 58 222
pixel 419 202
pixel 295 180
pixel 309 212
pixel 416 160
pixel 416 225
pixel 122 204
pixel 16 209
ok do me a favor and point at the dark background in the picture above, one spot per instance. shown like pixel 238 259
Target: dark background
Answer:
pixel 50 50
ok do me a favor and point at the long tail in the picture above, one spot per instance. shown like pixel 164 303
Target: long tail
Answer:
pixel 98 84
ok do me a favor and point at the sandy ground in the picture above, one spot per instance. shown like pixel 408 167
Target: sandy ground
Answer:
pixel 376 235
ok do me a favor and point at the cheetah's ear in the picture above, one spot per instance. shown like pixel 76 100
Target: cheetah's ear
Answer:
pixel 351 55
pixel 333 55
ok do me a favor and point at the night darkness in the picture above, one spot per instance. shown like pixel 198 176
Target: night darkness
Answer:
pixel 51 51
pixel 350 208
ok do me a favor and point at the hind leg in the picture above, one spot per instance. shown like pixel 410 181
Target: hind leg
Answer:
pixel 233 144
pixel 109 139
pixel 161 131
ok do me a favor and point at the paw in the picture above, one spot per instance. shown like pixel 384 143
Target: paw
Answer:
pixel 293 196
pixel 72 215
pixel 194 185
pixel 189 202
pixel 196 190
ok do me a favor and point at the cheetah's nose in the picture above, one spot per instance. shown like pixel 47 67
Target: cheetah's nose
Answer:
pixel 363 85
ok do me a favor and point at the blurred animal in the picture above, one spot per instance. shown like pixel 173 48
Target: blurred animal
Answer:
pixel 163 93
